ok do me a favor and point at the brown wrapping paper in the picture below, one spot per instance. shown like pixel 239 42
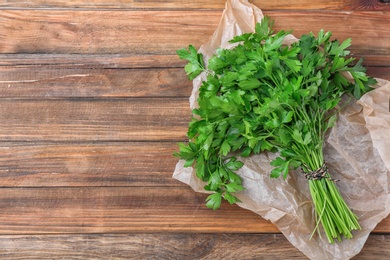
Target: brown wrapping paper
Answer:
pixel 357 152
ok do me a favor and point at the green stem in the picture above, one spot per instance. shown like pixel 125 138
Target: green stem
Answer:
pixel 331 210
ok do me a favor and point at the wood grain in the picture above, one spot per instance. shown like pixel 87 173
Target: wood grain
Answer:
pixel 56 81
pixel 123 209
pixel 149 246
pixel 94 120
pixel 48 31
pixel 91 61
pixel 166 246
pixel 200 4
pixel 104 164
pixel 43 31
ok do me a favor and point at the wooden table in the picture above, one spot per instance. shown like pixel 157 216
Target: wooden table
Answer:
pixel 93 101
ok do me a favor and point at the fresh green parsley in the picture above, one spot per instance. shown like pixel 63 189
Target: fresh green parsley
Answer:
pixel 264 96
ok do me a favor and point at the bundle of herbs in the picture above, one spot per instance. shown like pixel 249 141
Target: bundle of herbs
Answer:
pixel 261 95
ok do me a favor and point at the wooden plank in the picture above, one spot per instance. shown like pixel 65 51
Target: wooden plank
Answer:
pixel 52 31
pixel 54 81
pixel 200 4
pixel 118 210
pixel 123 209
pixel 167 246
pixel 48 31
pixel 126 164
pixel 110 119
pixel 149 246
pixel 97 61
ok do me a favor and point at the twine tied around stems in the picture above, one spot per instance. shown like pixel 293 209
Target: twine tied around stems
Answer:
pixel 318 174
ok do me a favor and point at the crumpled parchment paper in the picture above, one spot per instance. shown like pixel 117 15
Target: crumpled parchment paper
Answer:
pixel 357 152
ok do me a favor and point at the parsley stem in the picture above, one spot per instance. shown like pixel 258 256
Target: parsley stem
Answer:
pixel 334 215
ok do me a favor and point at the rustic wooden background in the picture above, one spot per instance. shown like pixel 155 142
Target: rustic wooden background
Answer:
pixel 92 103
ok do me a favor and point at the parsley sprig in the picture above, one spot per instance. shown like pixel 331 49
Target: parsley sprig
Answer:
pixel 264 96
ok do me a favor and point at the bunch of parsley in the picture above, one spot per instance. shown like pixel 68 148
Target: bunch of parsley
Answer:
pixel 264 96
